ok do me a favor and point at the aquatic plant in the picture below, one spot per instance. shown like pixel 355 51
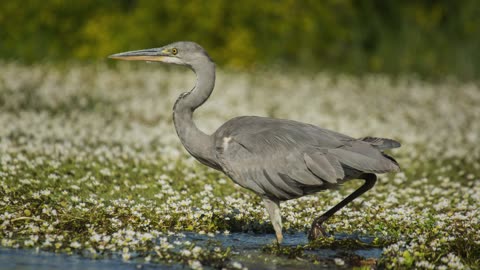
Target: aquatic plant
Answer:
pixel 90 164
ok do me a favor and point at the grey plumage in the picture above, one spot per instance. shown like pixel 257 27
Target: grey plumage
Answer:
pixel 286 159
pixel 381 143
pixel 275 158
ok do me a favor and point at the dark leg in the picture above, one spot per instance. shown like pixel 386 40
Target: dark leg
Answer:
pixel 317 228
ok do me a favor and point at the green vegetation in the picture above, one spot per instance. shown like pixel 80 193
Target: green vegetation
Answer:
pixel 90 164
pixel 431 38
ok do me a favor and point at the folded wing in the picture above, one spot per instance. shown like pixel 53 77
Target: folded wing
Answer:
pixel 286 159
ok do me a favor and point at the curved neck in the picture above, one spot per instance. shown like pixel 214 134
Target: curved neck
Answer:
pixel 196 142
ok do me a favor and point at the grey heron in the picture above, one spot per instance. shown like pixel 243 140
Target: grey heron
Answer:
pixel 277 159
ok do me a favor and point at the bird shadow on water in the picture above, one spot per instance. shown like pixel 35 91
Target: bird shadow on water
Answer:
pixel 259 251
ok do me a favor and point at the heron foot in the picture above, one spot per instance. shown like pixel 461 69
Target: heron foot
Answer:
pixel 317 229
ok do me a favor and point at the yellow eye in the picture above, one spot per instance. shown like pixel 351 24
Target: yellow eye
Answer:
pixel 174 51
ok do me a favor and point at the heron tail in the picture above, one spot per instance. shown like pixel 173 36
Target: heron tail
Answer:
pixel 392 160
pixel 381 143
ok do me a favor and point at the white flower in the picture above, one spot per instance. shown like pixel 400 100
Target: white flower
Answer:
pixel 29 243
pixel 339 261
pixel 75 245
pixel 236 265
pixel 95 238
pixel 126 256
pixel 45 192
pixel 186 252
pixel 196 251
pixel 195 264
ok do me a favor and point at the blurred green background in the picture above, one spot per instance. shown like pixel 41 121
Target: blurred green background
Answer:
pixel 430 38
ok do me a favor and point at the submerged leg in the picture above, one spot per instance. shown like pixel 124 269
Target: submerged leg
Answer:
pixel 273 209
pixel 316 230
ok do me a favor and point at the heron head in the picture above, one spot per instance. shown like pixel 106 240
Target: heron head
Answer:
pixel 181 53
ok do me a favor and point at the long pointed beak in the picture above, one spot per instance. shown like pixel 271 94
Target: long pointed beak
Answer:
pixel 157 54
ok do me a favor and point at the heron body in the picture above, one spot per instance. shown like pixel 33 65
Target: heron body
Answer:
pixel 284 159
pixel 277 159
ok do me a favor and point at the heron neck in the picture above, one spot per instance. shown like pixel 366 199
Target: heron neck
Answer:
pixel 196 142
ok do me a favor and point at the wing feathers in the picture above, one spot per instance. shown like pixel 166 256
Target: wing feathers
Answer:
pixel 280 183
pixel 287 159
pixel 363 162
pixel 381 143
pixel 322 167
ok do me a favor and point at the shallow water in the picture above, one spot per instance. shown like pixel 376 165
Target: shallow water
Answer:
pixel 246 249
pixel 29 259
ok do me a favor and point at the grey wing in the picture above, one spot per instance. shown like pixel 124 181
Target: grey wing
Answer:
pixel 275 158
pixel 274 172
pixel 363 157
pixel 381 143
pixel 287 159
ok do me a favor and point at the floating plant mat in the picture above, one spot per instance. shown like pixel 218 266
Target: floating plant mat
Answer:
pixel 90 166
